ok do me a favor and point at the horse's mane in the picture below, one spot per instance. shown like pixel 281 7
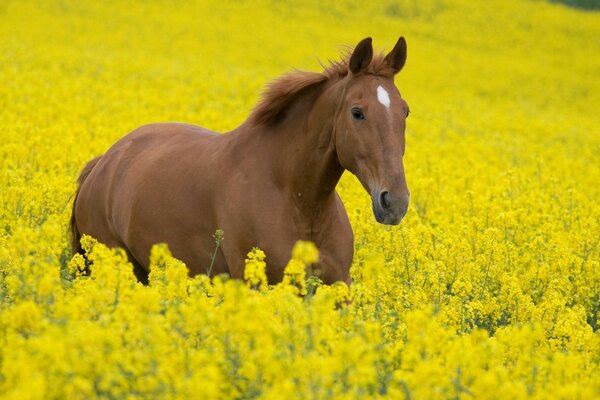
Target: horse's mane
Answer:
pixel 285 90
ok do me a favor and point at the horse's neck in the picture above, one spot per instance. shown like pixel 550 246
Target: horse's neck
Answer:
pixel 301 151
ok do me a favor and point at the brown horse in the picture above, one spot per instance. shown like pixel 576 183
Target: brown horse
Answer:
pixel 267 183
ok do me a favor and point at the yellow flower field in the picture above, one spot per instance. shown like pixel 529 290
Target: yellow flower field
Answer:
pixel 490 287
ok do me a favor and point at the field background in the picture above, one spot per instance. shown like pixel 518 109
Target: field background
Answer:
pixel 488 289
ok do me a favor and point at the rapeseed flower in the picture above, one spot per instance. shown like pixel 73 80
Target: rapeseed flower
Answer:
pixel 488 289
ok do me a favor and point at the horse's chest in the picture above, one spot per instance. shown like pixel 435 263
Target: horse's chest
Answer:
pixel 307 224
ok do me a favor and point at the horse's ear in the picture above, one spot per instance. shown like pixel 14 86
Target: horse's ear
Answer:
pixel 361 56
pixel 397 57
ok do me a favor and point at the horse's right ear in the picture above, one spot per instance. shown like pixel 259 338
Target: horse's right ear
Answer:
pixel 361 56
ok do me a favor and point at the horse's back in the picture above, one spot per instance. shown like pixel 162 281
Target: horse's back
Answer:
pixel 158 154
pixel 166 134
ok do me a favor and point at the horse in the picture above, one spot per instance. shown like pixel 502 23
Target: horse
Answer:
pixel 268 183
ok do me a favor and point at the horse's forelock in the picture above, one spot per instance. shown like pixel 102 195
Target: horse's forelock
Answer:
pixel 378 67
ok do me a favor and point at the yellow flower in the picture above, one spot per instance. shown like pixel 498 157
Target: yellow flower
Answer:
pixel 27 317
pixel 294 277
pixel 487 289
pixel 305 252
pixel 254 272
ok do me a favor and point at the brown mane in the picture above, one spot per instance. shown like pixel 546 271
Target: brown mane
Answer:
pixel 285 90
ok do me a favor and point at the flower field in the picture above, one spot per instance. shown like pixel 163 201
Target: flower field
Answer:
pixel 489 288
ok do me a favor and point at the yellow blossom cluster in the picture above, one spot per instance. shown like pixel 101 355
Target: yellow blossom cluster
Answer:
pixel 254 271
pixel 490 287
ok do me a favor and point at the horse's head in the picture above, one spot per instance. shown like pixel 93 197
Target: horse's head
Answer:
pixel 370 124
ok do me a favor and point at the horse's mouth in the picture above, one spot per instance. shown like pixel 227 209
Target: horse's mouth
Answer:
pixel 387 218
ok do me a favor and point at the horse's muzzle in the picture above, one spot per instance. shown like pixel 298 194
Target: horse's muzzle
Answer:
pixel 388 208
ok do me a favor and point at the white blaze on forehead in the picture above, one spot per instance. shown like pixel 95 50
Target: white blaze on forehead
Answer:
pixel 383 96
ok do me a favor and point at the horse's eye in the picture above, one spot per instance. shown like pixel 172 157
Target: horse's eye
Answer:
pixel 357 113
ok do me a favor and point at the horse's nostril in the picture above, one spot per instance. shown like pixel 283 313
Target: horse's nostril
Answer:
pixel 384 200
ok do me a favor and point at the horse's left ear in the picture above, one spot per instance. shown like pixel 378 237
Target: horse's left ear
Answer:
pixel 397 57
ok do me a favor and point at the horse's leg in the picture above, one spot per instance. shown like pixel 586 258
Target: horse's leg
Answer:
pixel 140 272
pixel 233 260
